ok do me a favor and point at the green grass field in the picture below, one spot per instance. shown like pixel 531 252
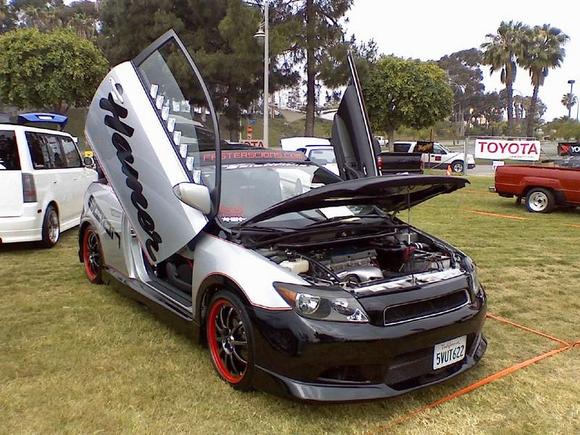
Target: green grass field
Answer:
pixel 79 358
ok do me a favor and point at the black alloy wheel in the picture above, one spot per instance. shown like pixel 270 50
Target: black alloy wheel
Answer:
pixel 230 340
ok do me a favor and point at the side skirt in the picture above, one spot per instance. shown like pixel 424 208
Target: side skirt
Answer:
pixel 169 311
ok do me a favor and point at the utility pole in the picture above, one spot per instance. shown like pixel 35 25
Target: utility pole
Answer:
pixel 266 75
pixel 571 83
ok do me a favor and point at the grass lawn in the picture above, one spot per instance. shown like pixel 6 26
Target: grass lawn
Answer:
pixel 81 358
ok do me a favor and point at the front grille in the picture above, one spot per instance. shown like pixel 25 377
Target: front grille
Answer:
pixel 426 308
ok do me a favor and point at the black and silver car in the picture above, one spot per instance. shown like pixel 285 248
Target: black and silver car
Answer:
pixel 300 282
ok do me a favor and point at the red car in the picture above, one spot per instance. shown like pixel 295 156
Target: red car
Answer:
pixel 543 187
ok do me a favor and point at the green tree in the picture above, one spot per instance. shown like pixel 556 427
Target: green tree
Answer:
pixel 410 93
pixel 501 52
pixel 51 70
pixel 569 100
pixel 7 17
pixel 220 35
pixel 544 50
pixel 466 78
pixel 48 15
pixel 316 39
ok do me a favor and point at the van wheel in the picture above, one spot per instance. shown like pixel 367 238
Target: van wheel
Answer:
pixel 92 255
pixel 231 340
pixel 540 200
pixel 50 227
pixel 457 166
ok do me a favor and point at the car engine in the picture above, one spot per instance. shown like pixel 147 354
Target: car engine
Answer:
pixel 358 264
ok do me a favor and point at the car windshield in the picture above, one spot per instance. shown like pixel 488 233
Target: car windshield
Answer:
pixel 322 156
pixel 249 188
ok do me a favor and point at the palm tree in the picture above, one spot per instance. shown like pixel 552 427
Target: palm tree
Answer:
pixel 502 52
pixel 569 100
pixel 544 50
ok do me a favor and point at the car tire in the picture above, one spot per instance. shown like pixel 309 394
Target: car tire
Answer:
pixel 50 227
pixel 457 166
pixel 230 340
pixel 539 200
pixel 92 255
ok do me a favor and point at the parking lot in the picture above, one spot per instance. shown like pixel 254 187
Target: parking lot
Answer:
pixel 81 358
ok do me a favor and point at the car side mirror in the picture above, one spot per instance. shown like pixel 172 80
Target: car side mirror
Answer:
pixel 89 162
pixel 194 195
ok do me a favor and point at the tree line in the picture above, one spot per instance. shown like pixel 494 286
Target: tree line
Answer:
pixel 308 47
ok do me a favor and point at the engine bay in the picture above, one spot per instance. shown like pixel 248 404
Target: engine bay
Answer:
pixel 401 252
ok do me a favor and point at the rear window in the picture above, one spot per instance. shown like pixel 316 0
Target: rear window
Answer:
pixel 9 160
pixel 401 147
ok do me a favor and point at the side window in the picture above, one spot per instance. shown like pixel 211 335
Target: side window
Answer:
pixel 45 151
pixel 71 155
pixel 9 160
pixel 37 151
pixel 55 151
pixel 437 149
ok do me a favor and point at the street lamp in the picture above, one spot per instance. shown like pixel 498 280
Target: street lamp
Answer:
pixel 571 83
pixel 262 36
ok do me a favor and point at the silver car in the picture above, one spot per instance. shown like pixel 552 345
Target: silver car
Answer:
pixel 300 282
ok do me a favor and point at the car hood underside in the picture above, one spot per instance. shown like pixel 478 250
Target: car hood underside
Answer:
pixel 392 194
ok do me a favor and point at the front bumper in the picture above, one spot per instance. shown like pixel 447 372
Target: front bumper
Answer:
pixel 322 361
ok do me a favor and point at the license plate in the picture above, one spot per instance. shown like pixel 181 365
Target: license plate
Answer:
pixel 449 352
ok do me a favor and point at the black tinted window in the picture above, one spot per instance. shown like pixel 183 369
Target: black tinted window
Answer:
pixel 71 155
pixel 45 151
pixel 401 147
pixel 9 159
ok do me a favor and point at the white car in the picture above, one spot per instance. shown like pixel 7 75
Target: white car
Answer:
pixel 42 183
pixel 316 149
pixel 439 158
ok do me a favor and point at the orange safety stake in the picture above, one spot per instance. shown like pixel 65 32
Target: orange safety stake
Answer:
pixel 448 170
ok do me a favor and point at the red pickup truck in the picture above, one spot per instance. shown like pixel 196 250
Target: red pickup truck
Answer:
pixel 543 187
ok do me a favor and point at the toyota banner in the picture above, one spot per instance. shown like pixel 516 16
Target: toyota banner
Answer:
pixel 507 149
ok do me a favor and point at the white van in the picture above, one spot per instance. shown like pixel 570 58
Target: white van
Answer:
pixel 42 183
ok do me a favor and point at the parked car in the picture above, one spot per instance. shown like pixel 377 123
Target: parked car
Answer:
pixel 42 181
pixel 301 283
pixel 321 151
pixel 316 149
pixel 391 162
pixel 543 187
pixel 435 155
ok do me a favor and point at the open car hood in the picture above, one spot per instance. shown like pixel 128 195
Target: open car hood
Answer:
pixel 391 194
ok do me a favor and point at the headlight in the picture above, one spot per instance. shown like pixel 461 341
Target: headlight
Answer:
pixel 471 268
pixel 322 304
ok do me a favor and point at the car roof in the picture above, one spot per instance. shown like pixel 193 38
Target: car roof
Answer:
pixel 17 127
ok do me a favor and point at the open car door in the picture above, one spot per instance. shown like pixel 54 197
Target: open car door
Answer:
pixel 352 137
pixel 147 124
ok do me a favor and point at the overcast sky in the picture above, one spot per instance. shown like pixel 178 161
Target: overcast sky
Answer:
pixel 427 30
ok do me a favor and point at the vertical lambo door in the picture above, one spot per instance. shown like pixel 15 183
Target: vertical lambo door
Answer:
pixel 148 123
pixel 352 137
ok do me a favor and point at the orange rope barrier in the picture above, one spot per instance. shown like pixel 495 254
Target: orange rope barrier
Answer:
pixel 497 215
pixel 525 328
pixel 501 374
pixel 564 346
